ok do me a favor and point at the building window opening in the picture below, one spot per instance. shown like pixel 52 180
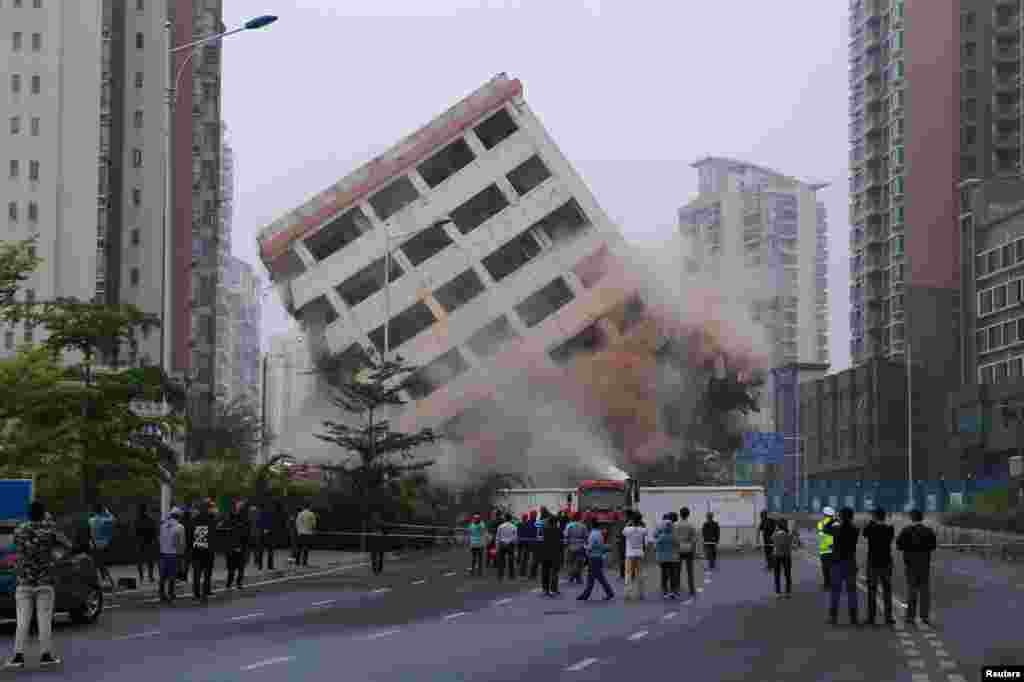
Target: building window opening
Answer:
pixel 317 314
pixel 487 340
pixel 426 244
pixel 528 175
pixel 339 368
pixel 338 234
pixel 446 163
pixel 403 327
pixel 287 265
pixel 393 198
pixel 136 239
pixel 591 269
pixel 367 282
pixel 543 303
pixel 495 129
pixel 590 340
pixel 513 255
pixel 433 376
pixel 479 209
pixel 459 291
pixel 134 277
pixel 564 222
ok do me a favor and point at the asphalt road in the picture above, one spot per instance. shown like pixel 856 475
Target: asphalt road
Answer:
pixel 424 619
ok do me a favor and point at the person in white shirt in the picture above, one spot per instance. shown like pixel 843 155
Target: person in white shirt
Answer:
pixel 506 539
pixel 636 544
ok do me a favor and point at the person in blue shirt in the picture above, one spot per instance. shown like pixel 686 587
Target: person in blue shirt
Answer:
pixel 597 554
pixel 101 525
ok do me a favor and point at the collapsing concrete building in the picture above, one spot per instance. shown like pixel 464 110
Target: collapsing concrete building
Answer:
pixel 517 272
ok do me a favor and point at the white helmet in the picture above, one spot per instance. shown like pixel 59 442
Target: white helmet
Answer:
pixel 828 511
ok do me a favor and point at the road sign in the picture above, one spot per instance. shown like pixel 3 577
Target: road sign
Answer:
pixel 763 447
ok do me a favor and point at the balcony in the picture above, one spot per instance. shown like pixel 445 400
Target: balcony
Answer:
pixel 872 38
pixel 875 293
pixel 876 180
pixel 1005 83
pixel 874 208
pixel 875 122
pixel 1006 140
pixel 1006 25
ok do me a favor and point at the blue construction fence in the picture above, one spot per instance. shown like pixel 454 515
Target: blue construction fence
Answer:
pixel 928 496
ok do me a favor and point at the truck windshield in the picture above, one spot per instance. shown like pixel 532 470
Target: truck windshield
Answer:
pixel 596 499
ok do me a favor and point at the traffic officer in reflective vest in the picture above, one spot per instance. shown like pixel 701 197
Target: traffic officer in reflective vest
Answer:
pixel 825 543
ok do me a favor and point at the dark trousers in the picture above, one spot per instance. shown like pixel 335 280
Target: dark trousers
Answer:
pixel 769 549
pixel 236 567
pixel 919 590
pixel 687 560
pixel 577 558
pixel 549 574
pixel 670 577
pixel 302 550
pixel 711 552
pixel 168 576
pixel 783 565
pixel 596 575
pixel 844 574
pixel 826 570
pixel 262 546
pixel 506 553
pixel 622 561
pixel 377 560
pixel 477 565
pixel 202 574
pixel 522 559
pixel 879 578
pixel 147 554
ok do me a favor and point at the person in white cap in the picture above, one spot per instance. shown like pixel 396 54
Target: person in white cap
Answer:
pixel 825 544
pixel 172 546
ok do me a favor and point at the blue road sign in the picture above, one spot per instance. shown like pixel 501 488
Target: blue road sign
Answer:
pixel 15 496
pixel 765 447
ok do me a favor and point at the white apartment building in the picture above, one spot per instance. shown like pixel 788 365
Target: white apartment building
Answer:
pixel 763 236
pixel 82 109
pixel 519 277
pixel 289 386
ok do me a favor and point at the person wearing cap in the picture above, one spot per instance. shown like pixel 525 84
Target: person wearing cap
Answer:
pixel 172 546
pixel 475 531
pixel 826 541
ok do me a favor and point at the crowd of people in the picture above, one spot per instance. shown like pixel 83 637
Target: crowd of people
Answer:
pixel 544 542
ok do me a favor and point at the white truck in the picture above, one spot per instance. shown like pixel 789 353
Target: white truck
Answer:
pixel 737 509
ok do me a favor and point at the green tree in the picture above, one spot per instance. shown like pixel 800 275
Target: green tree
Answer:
pixel 235 431
pixel 18 260
pixel 375 455
pixel 86 422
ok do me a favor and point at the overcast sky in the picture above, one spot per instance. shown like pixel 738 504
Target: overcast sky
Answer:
pixel 633 91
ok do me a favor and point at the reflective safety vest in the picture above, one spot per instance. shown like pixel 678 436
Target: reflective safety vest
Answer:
pixel 824 539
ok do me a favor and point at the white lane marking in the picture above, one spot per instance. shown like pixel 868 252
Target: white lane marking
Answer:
pixel 638 635
pixel 920 677
pixel 247 616
pixel 910 651
pixel 502 602
pixel 418 582
pixel 381 590
pixel 449 575
pixel 946 664
pixel 670 615
pixel 699 590
pixel 149 601
pixel 114 606
pixel 457 614
pixel 916 663
pixel 269 661
pixel 688 601
pixel 585 663
pixel 385 633
pixel 140 635
pixel 537 591
pixel 957 678
pixel 929 635
pixel 325 602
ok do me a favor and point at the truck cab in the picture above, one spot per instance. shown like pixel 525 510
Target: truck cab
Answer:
pixel 607 501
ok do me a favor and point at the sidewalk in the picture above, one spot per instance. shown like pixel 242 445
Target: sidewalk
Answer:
pixel 319 560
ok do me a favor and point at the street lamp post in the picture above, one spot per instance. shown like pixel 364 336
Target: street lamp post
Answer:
pixel 168 221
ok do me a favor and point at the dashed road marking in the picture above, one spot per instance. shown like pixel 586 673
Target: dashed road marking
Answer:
pixel 418 582
pixel 458 614
pixel 151 601
pixel 916 663
pixel 247 616
pixel 946 664
pixel 325 602
pixel 269 661
pixel 140 635
pixel 502 602
pixel 957 678
pixel 670 615
pixel 114 606
pixel 688 601
pixel 585 663
pixel 381 590
pixel 638 635
pixel 449 575
pixel 920 677
pixel 699 590
pixel 385 633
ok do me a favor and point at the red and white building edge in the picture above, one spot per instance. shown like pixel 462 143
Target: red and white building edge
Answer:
pixel 525 266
